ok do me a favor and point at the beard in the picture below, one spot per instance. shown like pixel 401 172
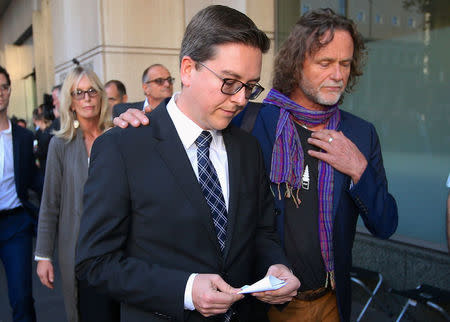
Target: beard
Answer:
pixel 314 94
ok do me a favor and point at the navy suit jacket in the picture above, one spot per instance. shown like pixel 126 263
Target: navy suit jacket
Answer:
pixel 146 225
pixel 26 174
pixel 369 197
pixel 122 107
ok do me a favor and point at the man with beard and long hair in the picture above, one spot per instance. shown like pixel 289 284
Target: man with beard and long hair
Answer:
pixel 325 164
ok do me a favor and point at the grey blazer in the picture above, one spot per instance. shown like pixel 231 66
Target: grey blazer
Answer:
pixel 61 208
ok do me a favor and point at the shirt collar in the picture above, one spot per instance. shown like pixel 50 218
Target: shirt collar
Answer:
pixel 145 103
pixel 8 130
pixel 188 130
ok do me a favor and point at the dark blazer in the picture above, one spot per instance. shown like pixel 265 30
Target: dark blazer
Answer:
pixel 146 225
pixel 55 126
pixel 43 139
pixel 122 107
pixel 26 174
pixel 369 197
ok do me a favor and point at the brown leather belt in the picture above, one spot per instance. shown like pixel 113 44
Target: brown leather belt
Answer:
pixel 312 295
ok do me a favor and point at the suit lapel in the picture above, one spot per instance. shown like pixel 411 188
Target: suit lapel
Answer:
pixel 233 156
pixel 339 178
pixel 174 155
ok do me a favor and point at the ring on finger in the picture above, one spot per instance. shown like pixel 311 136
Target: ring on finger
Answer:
pixel 330 139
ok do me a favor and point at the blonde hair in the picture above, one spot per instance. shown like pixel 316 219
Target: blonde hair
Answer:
pixel 67 130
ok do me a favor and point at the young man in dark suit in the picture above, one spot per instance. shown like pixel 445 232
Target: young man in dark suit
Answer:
pixel 18 173
pixel 178 214
pixel 325 164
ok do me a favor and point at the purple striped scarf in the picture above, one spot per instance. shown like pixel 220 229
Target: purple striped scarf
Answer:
pixel 287 164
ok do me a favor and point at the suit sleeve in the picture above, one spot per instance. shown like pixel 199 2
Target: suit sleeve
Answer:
pixel 376 205
pixel 51 202
pixel 119 109
pixel 105 233
pixel 43 146
pixel 123 107
pixel 268 246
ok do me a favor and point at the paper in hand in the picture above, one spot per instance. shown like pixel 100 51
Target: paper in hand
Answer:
pixel 268 283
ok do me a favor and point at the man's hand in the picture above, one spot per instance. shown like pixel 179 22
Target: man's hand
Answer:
pixel 211 295
pixel 284 294
pixel 339 152
pixel 131 116
pixel 45 273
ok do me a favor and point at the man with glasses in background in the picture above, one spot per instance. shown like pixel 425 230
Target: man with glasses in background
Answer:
pixel 18 173
pixel 157 84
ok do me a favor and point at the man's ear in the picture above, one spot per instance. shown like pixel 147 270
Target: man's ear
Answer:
pixel 125 98
pixel 186 70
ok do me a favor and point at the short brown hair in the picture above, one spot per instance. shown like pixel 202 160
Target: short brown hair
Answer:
pixel 4 72
pixel 307 38
pixel 217 25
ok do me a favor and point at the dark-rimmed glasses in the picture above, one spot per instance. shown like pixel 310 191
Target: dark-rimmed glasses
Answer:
pixel 79 94
pixel 160 81
pixel 231 86
pixel 5 88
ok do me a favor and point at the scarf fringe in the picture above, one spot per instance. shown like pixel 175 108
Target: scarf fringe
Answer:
pixel 330 279
pixel 271 190
pixel 290 192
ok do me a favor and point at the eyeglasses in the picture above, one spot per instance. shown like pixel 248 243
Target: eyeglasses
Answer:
pixel 5 88
pixel 231 86
pixel 79 94
pixel 160 81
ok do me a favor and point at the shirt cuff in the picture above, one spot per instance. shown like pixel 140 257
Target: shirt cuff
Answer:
pixel 40 258
pixel 188 304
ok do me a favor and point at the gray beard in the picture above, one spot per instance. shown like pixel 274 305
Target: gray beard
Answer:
pixel 313 95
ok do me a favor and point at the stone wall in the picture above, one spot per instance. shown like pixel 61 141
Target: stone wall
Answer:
pixel 402 266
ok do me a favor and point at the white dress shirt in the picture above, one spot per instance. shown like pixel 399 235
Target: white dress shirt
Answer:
pixel 188 131
pixel 8 193
pixel 145 104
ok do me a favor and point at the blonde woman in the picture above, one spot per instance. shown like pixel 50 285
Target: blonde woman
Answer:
pixel 84 116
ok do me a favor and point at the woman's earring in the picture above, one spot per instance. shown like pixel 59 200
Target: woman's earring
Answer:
pixel 76 124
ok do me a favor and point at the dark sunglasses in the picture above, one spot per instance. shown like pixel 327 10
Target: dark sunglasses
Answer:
pixel 160 81
pixel 79 94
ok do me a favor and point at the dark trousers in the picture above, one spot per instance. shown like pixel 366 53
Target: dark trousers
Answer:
pixel 96 307
pixel 16 233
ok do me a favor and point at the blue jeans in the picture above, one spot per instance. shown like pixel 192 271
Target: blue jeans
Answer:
pixel 16 233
